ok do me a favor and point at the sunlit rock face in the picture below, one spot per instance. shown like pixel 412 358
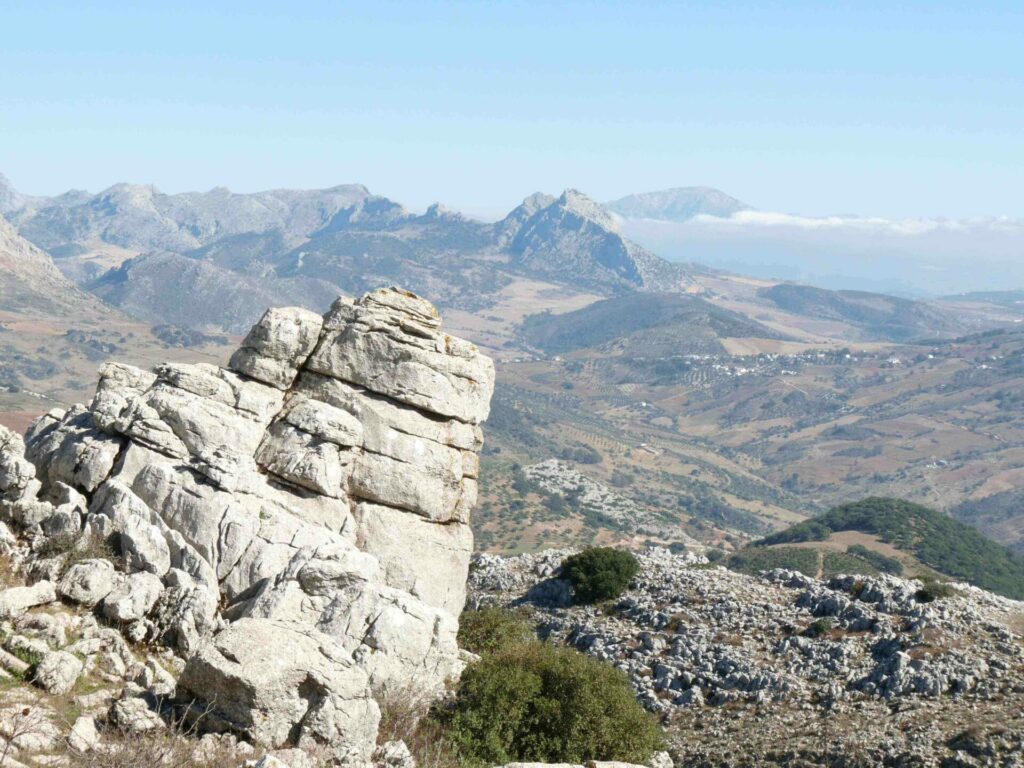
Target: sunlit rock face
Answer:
pixel 295 524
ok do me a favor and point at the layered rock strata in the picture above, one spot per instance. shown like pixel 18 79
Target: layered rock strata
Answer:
pixel 295 524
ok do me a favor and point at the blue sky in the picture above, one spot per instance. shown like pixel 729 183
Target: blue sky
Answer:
pixel 888 109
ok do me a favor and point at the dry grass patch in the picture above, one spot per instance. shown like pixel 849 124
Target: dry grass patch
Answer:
pixel 7 576
pixel 405 717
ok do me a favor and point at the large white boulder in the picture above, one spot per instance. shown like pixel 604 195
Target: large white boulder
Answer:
pixel 88 582
pixel 16 600
pixel 58 671
pixel 285 683
pixel 390 342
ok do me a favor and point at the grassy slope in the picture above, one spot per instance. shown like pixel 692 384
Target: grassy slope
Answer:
pixel 935 539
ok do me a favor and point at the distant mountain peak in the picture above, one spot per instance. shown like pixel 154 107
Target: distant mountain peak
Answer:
pixel 124 195
pixel 10 199
pixel 677 204
pixel 441 211
pixel 585 207
pixel 506 229
pixel 574 235
pixel 538 200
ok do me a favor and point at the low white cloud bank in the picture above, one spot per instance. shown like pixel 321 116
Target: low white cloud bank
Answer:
pixel 916 256
pixel 862 223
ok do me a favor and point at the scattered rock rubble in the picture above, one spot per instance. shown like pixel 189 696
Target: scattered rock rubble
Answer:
pixel 701 643
pixel 295 527
pixel 559 477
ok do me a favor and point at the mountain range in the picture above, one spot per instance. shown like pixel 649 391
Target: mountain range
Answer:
pixel 213 260
pixel 53 333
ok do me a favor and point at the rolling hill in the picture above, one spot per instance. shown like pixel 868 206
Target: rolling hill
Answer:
pixel 1000 516
pixel 936 540
pixel 642 325
pixel 877 315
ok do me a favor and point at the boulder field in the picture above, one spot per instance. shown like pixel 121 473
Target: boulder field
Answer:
pixel 294 525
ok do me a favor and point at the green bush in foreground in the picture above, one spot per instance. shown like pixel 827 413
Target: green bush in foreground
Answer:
pixel 535 702
pixel 491 629
pixel 600 573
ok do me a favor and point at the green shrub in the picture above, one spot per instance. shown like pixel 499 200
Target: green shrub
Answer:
pixel 581 454
pixel 714 555
pixel 491 629
pixel 535 702
pixel 820 627
pixel 52 546
pixel 621 479
pixel 600 573
pixel 933 590
pixel 522 484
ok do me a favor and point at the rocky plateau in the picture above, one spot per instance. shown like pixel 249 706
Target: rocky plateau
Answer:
pixel 784 669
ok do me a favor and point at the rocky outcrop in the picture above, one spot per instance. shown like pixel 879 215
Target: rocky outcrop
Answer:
pixel 295 524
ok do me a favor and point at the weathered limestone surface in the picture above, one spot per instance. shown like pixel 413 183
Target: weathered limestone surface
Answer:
pixel 296 524
pixel 272 678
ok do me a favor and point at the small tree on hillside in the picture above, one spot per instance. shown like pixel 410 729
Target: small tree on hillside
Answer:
pixel 600 573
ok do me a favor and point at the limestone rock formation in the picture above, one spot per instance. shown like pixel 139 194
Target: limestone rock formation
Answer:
pixel 296 524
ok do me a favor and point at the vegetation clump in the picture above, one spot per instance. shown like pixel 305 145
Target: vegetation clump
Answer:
pixel 600 573
pixel 490 629
pixel 535 702
pixel 581 454
pixel 820 627
pixel 714 555
pixel 933 590
pixel 524 701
